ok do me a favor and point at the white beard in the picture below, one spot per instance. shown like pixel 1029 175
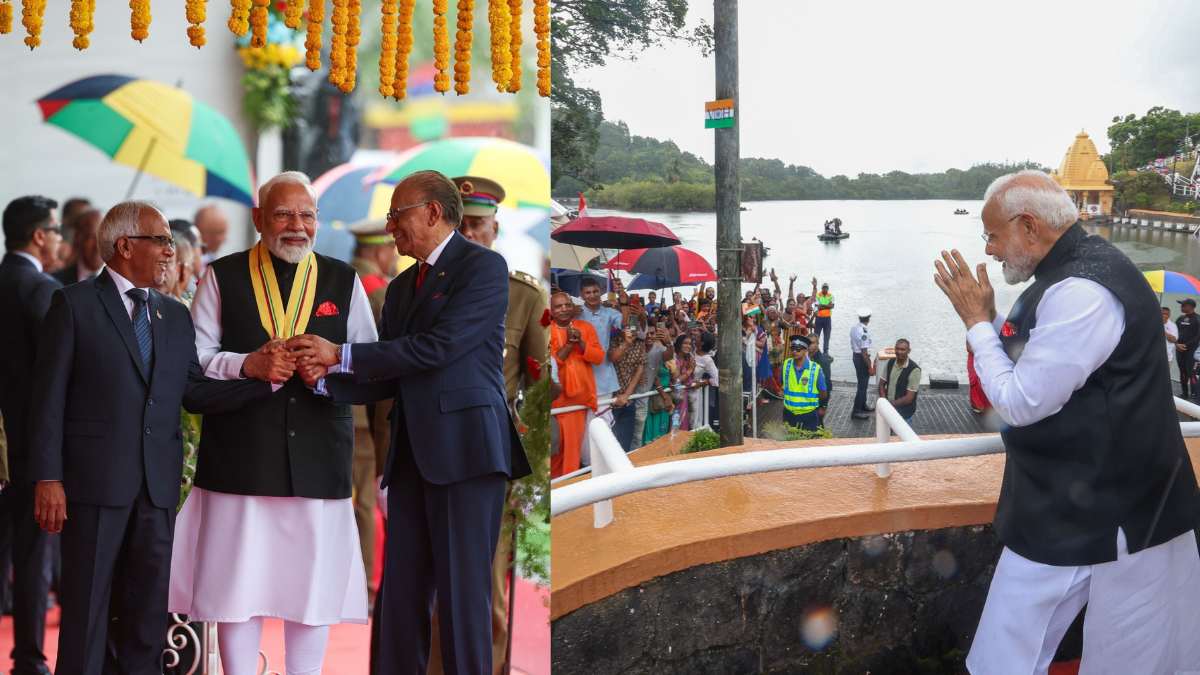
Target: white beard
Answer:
pixel 1018 269
pixel 290 254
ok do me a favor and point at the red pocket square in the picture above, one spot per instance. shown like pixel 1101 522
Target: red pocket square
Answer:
pixel 327 308
pixel 1008 329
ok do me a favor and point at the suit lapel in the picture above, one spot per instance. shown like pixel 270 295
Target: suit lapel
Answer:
pixel 158 328
pixel 454 248
pixel 120 318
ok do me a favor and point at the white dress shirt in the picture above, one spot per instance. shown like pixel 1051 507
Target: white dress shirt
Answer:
pixel 31 258
pixel 860 339
pixel 123 287
pixel 1171 329
pixel 219 365
pixel 1079 323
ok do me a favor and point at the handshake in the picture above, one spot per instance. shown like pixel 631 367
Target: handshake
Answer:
pixel 277 361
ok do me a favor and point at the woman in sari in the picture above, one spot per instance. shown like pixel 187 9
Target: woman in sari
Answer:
pixel 685 369
pixel 660 407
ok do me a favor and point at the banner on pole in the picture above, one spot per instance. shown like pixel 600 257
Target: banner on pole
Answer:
pixel 718 114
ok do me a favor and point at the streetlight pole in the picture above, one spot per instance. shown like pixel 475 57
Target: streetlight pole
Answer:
pixel 729 227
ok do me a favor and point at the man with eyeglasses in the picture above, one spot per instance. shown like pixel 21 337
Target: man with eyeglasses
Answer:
pixel 454 445
pixel 116 361
pixel 1099 502
pixel 30 236
pixel 279 470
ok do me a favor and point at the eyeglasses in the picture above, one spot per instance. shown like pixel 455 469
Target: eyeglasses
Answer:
pixel 160 239
pixel 52 228
pixel 284 216
pixel 988 237
pixel 393 215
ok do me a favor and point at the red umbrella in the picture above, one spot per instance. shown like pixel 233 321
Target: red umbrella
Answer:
pixel 673 265
pixel 614 232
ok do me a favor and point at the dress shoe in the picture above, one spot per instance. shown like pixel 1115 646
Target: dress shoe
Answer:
pixel 869 408
pixel 860 416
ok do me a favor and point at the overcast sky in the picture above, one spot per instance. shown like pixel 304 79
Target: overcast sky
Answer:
pixel 849 87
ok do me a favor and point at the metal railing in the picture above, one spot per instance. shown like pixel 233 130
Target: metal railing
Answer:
pixel 613 477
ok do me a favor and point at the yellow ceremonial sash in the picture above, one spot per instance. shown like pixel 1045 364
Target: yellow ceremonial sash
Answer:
pixel 278 323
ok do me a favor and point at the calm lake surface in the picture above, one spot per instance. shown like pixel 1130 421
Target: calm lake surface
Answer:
pixel 887 265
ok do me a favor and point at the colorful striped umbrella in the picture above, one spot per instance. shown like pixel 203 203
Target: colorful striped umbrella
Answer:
pixel 343 199
pixel 520 169
pixel 1165 281
pixel 157 129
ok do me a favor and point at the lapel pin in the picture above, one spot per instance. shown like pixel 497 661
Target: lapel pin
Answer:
pixel 441 274
pixel 158 313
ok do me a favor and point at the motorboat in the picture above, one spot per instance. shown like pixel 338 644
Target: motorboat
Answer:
pixel 830 236
pixel 960 212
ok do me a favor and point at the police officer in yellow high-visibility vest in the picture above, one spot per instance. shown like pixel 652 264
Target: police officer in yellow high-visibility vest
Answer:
pixel 804 387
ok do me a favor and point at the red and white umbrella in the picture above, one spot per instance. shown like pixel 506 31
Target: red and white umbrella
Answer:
pixel 669 266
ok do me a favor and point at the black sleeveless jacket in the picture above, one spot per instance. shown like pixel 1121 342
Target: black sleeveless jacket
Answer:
pixel 292 443
pixel 1113 456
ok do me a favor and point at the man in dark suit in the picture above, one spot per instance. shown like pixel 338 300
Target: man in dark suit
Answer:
pixel 31 234
pixel 453 441
pixel 86 261
pixel 115 362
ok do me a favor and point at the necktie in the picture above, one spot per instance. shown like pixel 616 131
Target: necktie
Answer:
pixel 141 325
pixel 421 271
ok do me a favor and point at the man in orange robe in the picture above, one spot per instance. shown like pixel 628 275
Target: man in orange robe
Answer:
pixel 576 348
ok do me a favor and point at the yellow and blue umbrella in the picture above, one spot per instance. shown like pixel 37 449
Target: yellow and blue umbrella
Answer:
pixel 1166 281
pixel 157 129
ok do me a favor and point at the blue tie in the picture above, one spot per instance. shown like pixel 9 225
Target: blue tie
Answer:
pixel 141 325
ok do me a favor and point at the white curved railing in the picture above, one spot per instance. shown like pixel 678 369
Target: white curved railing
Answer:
pixel 619 476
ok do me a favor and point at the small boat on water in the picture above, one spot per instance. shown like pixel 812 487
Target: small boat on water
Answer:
pixel 960 212
pixel 829 236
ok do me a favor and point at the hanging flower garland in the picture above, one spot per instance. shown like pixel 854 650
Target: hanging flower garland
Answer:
pixel 312 40
pixel 5 17
pixel 541 26
pixel 196 14
pixel 462 46
pixel 258 23
pixel 387 47
pixel 337 49
pixel 514 45
pixel 499 19
pixel 139 19
pixel 81 22
pixel 239 17
pixel 353 35
pixel 32 12
pixel 441 47
pixel 404 43
pixel 292 14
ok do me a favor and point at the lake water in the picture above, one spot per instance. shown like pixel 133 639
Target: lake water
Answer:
pixel 887 265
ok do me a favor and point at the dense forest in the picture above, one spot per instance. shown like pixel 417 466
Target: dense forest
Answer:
pixel 634 172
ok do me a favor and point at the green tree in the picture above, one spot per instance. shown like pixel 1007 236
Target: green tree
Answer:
pixel 586 34
pixel 1137 141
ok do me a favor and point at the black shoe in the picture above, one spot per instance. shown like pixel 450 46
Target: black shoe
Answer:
pixel 860 416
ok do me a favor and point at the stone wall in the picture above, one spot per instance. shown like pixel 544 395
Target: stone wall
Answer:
pixel 907 602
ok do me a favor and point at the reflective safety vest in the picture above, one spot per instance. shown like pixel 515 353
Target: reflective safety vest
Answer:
pixel 823 302
pixel 801 394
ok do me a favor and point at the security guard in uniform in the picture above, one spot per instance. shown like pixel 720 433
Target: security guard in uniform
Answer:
pixel 804 387
pixel 526 350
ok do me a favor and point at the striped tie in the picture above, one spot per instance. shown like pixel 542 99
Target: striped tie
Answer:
pixel 141 325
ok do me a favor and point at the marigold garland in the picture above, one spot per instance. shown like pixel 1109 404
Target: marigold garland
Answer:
pixel 499 19
pixel 337 49
pixel 139 19
pixel 196 14
pixel 514 45
pixel 258 23
pixel 462 46
pixel 404 45
pixel 441 47
pixel 353 35
pixel 32 12
pixel 239 17
pixel 5 17
pixel 541 26
pixel 81 22
pixel 387 47
pixel 292 13
pixel 312 41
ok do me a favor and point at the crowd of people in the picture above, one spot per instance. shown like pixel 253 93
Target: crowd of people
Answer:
pixel 123 321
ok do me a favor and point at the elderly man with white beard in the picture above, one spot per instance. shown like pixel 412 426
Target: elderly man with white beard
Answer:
pixel 1099 500
pixel 268 529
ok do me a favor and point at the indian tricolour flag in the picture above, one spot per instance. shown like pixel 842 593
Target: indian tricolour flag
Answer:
pixel 718 114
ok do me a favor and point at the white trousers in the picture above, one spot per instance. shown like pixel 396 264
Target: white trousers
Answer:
pixel 304 647
pixel 1143 613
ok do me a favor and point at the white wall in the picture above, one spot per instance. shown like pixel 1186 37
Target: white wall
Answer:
pixel 37 158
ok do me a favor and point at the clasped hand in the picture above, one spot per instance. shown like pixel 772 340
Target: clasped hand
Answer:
pixel 314 355
pixel 973 299
pixel 306 355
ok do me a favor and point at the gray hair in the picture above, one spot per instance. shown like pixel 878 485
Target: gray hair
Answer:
pixel 1033 192
pixel 121 221
pixel 183 249
pixel 293 177
pixel 436 187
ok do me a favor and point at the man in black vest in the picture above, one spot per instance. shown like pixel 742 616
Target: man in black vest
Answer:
pixel 30 234
pixel 1099 500
pixel 268 529
pixel 115 362
pixel 901 390
pixel 454 445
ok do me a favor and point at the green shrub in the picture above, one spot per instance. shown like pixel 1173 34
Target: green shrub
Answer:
pixel 781 431
pixel 701 440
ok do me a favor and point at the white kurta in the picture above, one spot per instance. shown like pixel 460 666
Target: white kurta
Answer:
pixel 239 556
pixel 1142 614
